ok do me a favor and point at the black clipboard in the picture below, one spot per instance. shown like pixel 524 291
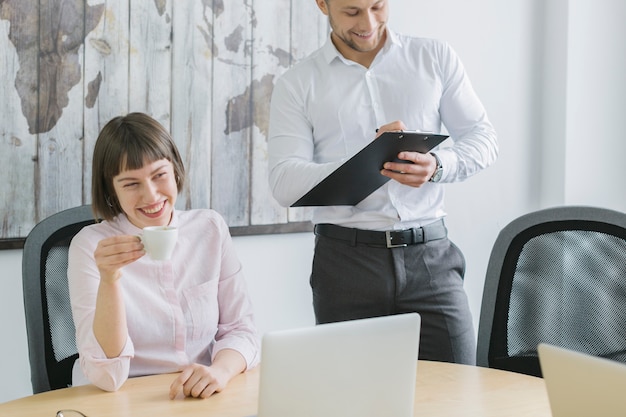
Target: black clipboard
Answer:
pixel 360 176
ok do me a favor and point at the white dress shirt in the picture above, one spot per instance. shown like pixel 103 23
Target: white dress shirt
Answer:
pixel 179 312
pixel 327 108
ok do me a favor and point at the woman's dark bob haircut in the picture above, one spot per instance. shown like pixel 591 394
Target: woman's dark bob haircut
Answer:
pixel 127 143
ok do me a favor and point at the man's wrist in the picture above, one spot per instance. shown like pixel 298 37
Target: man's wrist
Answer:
pixel 436 177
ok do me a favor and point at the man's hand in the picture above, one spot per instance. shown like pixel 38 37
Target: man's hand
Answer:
pixel 419 169
pixel 396 126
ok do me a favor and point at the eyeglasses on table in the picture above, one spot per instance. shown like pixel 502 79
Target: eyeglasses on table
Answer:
pixel 70 413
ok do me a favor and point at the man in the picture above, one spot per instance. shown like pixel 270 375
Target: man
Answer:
pixel 369 79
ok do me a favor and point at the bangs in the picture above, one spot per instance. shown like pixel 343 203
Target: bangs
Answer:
pixel 134 151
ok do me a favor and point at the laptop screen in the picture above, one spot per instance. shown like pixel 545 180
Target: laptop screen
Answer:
pixel 361 368
pixel 581 385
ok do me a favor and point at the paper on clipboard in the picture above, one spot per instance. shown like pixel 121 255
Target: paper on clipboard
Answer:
pixel 360 176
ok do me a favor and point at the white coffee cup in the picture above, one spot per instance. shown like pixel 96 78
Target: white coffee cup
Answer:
pixel 159 241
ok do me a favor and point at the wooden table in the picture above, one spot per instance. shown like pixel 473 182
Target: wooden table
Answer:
pixel 442 389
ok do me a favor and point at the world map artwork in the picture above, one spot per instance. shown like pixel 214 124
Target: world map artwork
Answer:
pixel 50 65
pixel 205 69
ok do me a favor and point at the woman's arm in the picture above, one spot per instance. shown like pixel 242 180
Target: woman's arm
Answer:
pixel 109 325
pixel 102 361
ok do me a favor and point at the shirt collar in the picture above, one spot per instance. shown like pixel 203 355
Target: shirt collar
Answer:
pixel 392 39
pixel 127 227
pixel 329 51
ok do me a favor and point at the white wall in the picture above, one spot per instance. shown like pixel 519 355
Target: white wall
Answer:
pixel 15 379
pixel 549 72
pixel 596 101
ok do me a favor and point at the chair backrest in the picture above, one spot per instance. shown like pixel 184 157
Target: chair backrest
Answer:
pixel 556 276
pixel 49 324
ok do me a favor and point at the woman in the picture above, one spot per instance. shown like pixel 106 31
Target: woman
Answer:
pixel 135 316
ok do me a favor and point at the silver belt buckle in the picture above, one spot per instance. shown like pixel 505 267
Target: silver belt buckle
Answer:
pixel 389 239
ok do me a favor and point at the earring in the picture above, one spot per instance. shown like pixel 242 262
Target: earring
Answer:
pixel 108 201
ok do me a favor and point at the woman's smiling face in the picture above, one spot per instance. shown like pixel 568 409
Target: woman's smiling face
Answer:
pixel 147 195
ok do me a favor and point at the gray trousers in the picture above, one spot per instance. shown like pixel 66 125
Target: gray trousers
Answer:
pixel 359 281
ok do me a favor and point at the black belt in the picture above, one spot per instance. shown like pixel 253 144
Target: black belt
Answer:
pixel 388 238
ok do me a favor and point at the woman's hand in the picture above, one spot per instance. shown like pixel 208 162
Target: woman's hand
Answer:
pixel 113 253
pixel 202 381
pixel 199 381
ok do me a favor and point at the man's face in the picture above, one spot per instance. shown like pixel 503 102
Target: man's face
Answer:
pixel 358 26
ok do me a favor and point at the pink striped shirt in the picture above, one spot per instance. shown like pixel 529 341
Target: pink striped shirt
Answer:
pixel 179 312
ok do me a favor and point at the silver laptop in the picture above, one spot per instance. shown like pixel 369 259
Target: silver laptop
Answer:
pixel 358 368
pixel 581 385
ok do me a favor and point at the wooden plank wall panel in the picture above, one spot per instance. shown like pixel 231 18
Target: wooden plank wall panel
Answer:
pixel 18 148
pixel 150 58
pixel 106 76
pixel 192 75
pixel 203 69
pixel 309 28
pixel 270 58
pixel 231 112
pixel 60 109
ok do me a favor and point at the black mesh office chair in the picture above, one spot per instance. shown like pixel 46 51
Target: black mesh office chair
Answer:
pixel 50 328
pixel 556 276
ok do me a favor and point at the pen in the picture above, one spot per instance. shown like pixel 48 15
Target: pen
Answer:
pixel 411 131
